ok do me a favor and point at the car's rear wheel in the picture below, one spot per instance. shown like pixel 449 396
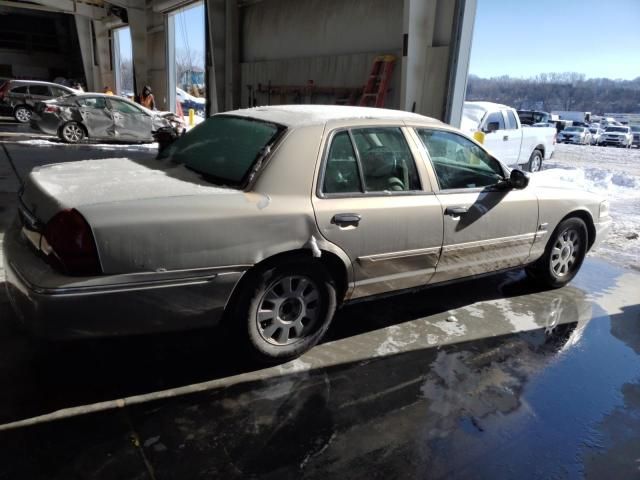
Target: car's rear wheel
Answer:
pixel 284 311
pixel 535 161
pixel 72 132
pixel 22 114
pixel 563 255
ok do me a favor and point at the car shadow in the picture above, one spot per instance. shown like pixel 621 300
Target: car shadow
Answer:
pixel 37 377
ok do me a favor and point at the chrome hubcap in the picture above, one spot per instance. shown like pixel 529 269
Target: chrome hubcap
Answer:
pixel 536 163
pixel 23 115
pixel 289 310
pixel 72 133
pixel 565 252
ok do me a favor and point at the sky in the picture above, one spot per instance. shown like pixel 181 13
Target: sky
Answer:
pixel 189 27
pixel 522 38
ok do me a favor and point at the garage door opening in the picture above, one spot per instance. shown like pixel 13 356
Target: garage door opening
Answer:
pixel 186 59
pixel 122 62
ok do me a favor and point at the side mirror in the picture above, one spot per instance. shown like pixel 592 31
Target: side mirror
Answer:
pixel 492 127
pixel 518 179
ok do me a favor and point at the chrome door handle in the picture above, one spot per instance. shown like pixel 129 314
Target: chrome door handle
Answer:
pixel 456 211
pixel 346 219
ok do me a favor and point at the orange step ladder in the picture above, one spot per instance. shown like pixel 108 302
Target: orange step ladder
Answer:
pixel 375 91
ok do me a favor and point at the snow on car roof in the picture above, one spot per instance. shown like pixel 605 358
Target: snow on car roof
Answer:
pixel 320 114
pixel 484 105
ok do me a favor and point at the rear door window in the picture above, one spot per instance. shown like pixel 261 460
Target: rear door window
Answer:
pixel 369 160
pixel 40 90
pixel 341 174
pixel 386 160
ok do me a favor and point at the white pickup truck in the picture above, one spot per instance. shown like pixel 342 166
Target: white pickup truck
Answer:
pixel 498 128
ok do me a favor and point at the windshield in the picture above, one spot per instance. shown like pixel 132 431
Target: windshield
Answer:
pixel 617 129
pixel 635 128
pixel 573 129
pixel 224 148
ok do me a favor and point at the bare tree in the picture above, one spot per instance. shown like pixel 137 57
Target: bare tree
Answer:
pixel 126 75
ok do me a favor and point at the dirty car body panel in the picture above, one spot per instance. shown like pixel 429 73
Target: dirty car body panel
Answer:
pixel 175 242
pixel 104 117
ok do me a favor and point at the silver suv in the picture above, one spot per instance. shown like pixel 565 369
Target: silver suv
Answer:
pixel 18 97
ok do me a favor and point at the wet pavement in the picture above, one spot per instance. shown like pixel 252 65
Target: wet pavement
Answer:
pixel 489 378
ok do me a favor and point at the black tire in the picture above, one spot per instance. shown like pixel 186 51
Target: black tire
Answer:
pixel 71 132
pixel 22 114
pixel 569 237
pixel 268 335
pixel 535 161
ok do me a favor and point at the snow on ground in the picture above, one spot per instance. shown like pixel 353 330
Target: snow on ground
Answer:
pixel 44 142
pixel 613 173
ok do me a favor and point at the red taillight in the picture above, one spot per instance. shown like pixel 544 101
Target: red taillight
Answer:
pixel 50 109
pixel 68 239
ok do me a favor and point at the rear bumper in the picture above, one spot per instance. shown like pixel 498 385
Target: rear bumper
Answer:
pixel 56 307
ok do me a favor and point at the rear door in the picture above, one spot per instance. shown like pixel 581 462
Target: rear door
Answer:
pixel 38 93
pixel 131 122
pixel 375 202
pixel 96 117
pixel 486 228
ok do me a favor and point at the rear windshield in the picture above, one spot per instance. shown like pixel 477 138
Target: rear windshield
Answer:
pixel 617 129
pixel 224 148
pixel 573 129
pixel 635 128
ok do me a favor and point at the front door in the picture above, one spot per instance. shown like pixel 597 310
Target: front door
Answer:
pixel 486 228
pixel 372 202
pixel 131 122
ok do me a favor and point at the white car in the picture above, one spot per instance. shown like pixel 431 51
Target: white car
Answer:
pixel 618 136
pixel 579 135
pixel 189 101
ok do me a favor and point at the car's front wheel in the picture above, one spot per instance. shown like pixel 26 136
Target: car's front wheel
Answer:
pixel 72 132
pixel 22 114
pixel 563 255
pixel 285 310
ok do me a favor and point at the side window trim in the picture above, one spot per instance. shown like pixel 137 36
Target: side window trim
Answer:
pixel 363 193
pixel 358 161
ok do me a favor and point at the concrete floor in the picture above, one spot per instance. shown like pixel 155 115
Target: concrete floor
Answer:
pixel 489 378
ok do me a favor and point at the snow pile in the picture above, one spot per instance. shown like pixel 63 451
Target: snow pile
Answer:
pixel 611 173
pixel 608 183
pixel 41 142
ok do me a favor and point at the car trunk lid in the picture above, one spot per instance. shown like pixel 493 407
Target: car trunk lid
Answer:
pixel 50 189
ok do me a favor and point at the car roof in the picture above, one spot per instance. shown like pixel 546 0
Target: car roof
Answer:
pixel 485 105
pixel 38 82
pixel 307 115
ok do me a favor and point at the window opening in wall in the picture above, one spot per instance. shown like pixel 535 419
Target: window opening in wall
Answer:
pixel 186 60
pixel 123 62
